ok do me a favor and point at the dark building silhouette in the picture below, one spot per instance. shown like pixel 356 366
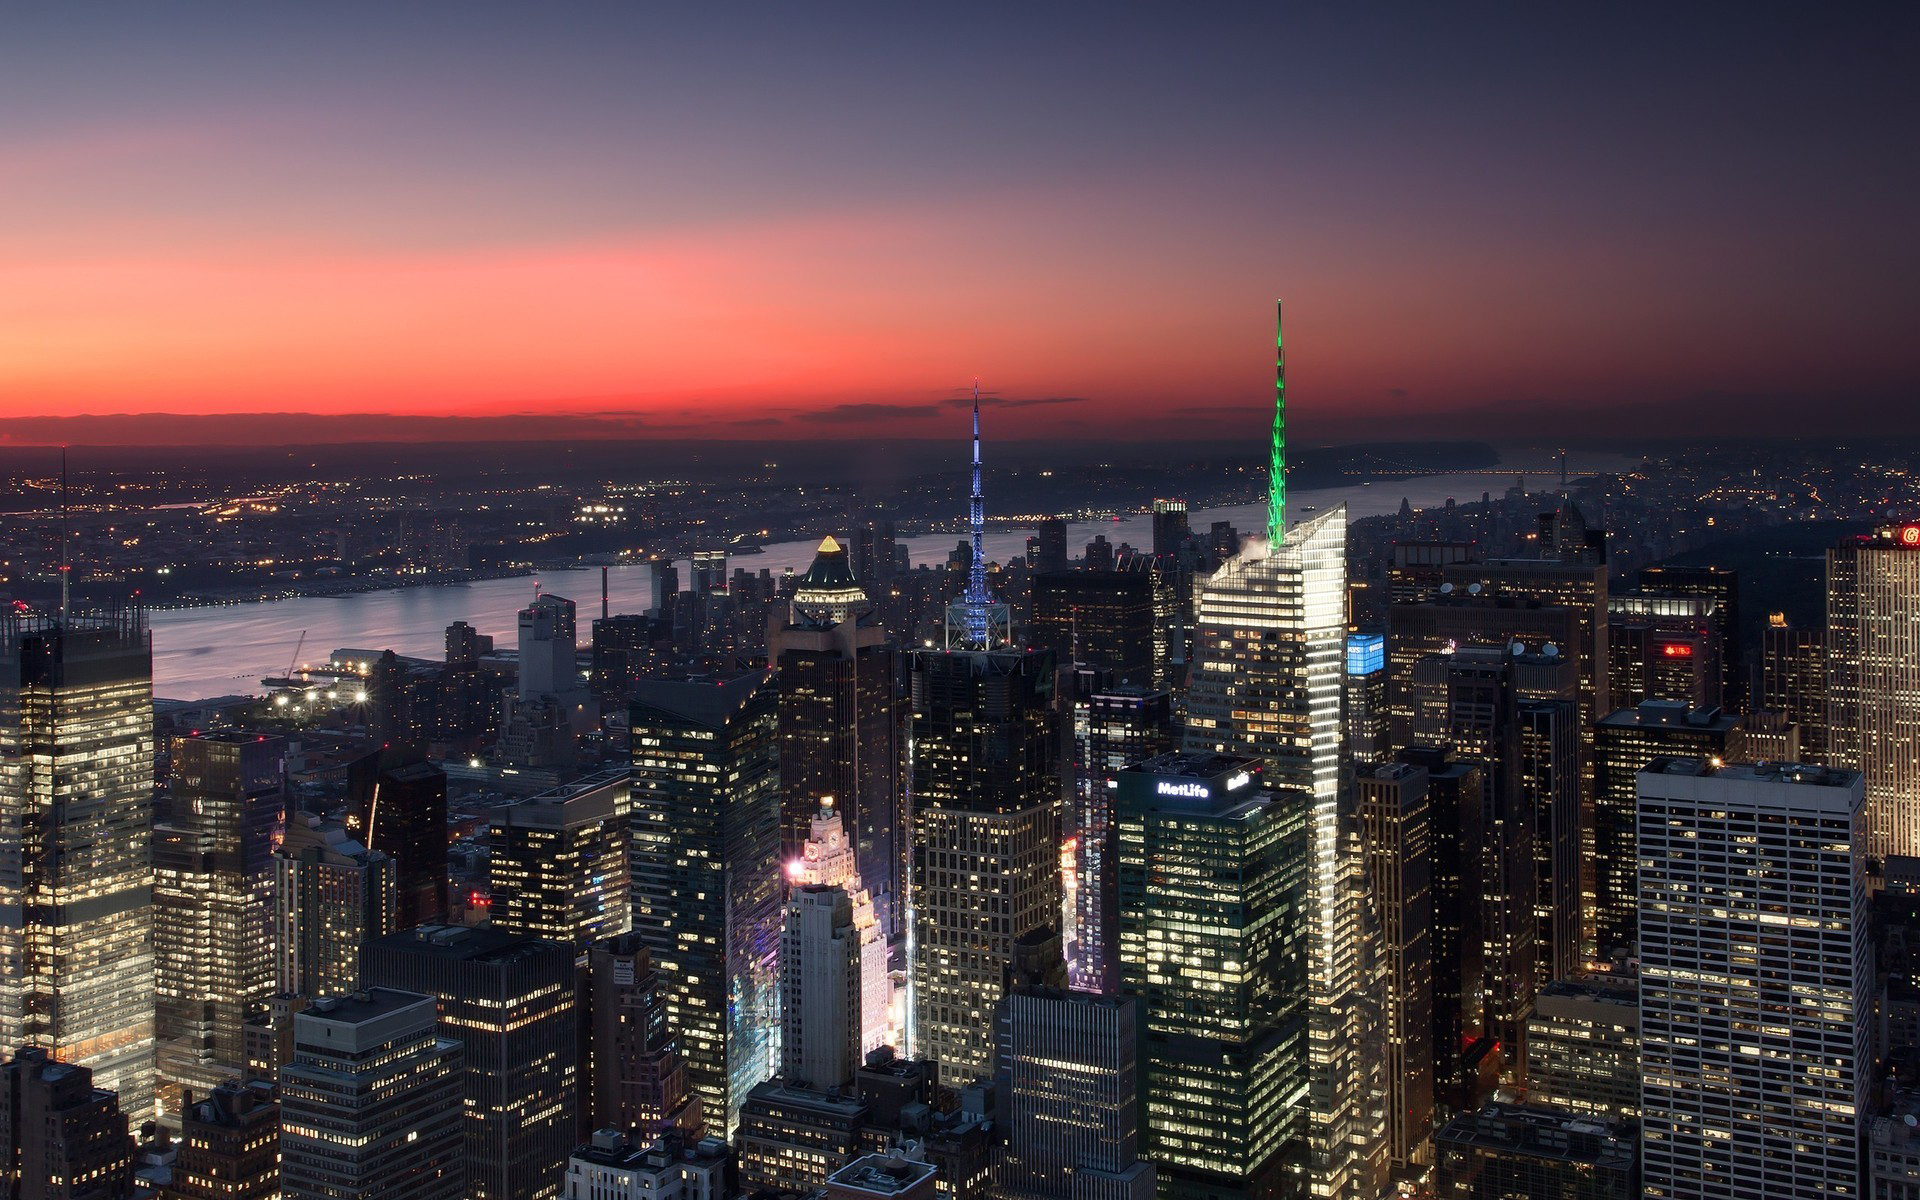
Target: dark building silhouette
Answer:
pixel 398 806
pixel 1793 681
pixel 65 1139
pixel 1103 619
pixel 1722 586
pixel 638 1084
pixel 1113 728
pixel 229 1147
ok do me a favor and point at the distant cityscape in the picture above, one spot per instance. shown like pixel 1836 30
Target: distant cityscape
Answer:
pixel 1561 840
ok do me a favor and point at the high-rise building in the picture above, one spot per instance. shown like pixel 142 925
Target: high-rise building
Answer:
pixel 828 860
pixel 1267 681
pixel 1214 883
pixel 1396 819
pixel 1539 1153
pixel 793 1138
pixel 708 571
pixel 509 1000
pixel 1368 737
pixel 671 1167
pixel 1170 530
pixel 1664 647
pixel 1073 1111
pixel 1050 549
pixel 1113 728
pixel 1793 680
pixel 548 658
pixel 62 1138
pixel 1583 1047
pixel 1873 679
pixel 76 811
pixel 820 993
pixel 705 866
pixel 840 726
pixel 1755 981
pixel 558 868
pixel 986 845
pixel 1722 587
pixel 1626 741
pixel 873 550
pixel 397 804
pixel 213 905
pixel 370 1103
pixel 331 898
pixel 229 1145
pixel 1103 619
pixel 639 1084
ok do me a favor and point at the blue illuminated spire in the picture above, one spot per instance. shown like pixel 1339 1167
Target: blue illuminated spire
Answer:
pixel 978 599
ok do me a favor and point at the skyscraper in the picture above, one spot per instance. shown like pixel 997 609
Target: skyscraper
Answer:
pixel 705 866
pixel 370 1103
pixel 1392 799
pixel 213 905
pixel 1626 741
pixel 1722 587
pixel 509 1001
pixel 983 790
pixel 1074 1089
pixel 1267 681
pixel 820 1000
pixel 1793 681
pixel 76 811
pixel 331 897
pixel 1873 679
pixel 639 1084
pixel 1113 728
pixel 1104 619
pixel 1664 648
pixel 828 860
pixel 229 1145
pixel 397 802
pixel 61 1137
pixel 558 868
pixel 1755 981
pixel 1214 883
pixel 1367 732
pixel 840 723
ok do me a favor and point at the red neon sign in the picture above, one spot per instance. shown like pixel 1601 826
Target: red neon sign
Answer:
pixel 1907 535
pixel 1677 651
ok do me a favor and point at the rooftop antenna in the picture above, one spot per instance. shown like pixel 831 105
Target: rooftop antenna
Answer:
pixel 977 598
pixel 1277 471
pixel 66 568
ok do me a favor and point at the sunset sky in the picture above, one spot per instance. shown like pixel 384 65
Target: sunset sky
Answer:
pixel 800 220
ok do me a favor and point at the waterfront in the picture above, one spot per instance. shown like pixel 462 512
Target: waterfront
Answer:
pixel 227 649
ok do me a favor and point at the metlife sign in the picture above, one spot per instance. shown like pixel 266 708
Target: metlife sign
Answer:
pixel 1186 791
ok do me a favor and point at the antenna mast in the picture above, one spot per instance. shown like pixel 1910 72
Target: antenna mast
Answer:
pixel 977 598
pixel 66 568
pixel 1277 471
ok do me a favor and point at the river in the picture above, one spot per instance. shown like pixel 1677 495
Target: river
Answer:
pixel 226 650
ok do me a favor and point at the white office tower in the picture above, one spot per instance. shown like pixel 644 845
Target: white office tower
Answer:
pixel 548 657
pixel 819 989
pixel 1269 654
pixel 827 859
pixel 1073 1119
pixel 1873 679
pixel 1755 985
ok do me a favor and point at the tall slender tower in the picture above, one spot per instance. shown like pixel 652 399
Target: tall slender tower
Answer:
pixel 1277 467
pixel 1267 682
pixel 977 598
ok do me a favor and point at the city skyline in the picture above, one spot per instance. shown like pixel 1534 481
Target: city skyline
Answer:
pixel 801 225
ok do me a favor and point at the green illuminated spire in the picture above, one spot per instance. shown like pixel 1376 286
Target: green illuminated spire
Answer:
pixel 1277 478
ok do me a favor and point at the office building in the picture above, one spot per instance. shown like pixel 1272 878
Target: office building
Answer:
pixel 1368 734
pixel 1073 1113
pixel 1722 587
pixel 708 571
pixel 1664 647
pixel 795 1137
pixel 874 554
pixel 820 989
pixel 1396 821
pixel 983 788
pixel 65 1139
pixel 558 867
pixel 1755 981
pixel 639 1084
pixel 229 1146
pixel 1113 728
pixel 213 905
pixel 509 1001
pixel 1102 619
pixel 827 859
pixel 1213 884
pixel 840 726
pixel 397 804
pixel 1267 682
pixel 673 1166
pixel 1415 568
pixel 1539 1153
pixel 76 807
pixel 331 897
pixel 1873 679
pixel 1766 736
pixel 370 1104
pixel 1170 529
pixel 1583 1047
pixel 1793 681
pixel 1625 742
pixel 705 870
pixel 548 650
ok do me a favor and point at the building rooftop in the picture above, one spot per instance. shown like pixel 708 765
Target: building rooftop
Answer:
pixel 703 702
pixel 468 943
pixel 1669 714
pixel 1546 1133
pixel 1766 772
pixel 881 1175
pixel 360 1007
